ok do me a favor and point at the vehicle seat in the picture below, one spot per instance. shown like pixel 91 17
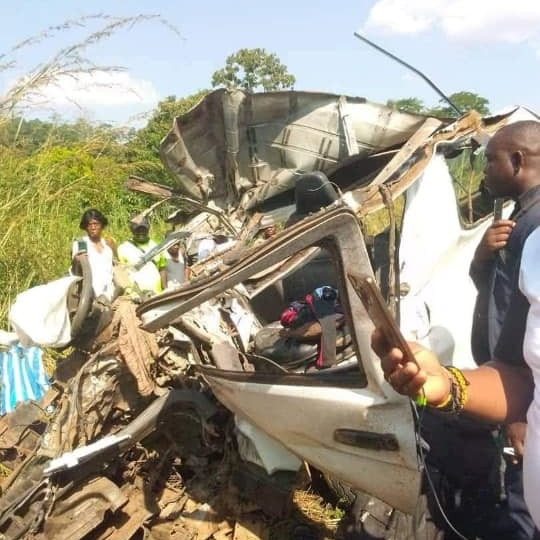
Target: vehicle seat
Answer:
pixel 293 353
pixel 312 192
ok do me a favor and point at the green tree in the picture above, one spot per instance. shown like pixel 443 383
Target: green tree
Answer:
pixel 143 146
pixel 148 138
pixel 29 136
pixel 251 69
pixel 410 104
pixel 464 101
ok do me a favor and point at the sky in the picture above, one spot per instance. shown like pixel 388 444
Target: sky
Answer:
pixel 491 47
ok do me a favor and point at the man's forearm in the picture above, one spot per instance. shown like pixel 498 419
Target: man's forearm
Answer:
pixel 499 393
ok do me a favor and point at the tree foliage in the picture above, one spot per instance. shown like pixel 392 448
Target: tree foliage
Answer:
pixel 411 104
pixel 29 136
pixel 143 146
pixel 252 69
pixel 464 101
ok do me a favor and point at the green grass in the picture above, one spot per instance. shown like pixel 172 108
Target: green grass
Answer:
pixel 43 196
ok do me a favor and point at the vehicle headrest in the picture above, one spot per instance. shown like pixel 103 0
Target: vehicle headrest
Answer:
pixel 312 192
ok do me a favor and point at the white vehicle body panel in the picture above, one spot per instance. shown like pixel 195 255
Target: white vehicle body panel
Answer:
pixel 305 418
pixel 256 446
pixel 435 254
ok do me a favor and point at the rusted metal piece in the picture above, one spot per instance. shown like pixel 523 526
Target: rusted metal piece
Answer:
pixel 83 510
pixel 393 284
pixel 204 521
pixel 249 530
pixel 137 347
pixel 368 199
pixel 429 126
pixel 125 523
pixel 140 185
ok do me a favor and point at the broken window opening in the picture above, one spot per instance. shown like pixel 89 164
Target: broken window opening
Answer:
pixel 376 230
pixel 282 329
pixel 467 172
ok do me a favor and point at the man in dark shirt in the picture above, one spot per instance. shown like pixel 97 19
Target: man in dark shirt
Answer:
pixel 512 171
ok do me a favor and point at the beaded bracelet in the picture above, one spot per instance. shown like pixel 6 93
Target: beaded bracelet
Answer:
pixel 458 396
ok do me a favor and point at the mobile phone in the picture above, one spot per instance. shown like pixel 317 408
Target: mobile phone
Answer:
pixel 81 246
pixel 374 304
pixel 497 208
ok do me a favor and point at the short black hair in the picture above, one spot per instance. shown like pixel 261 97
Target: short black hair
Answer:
pixel 93 214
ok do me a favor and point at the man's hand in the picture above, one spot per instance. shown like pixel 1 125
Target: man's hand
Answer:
pixel 409 378
pixel 495 238
pixel 515 434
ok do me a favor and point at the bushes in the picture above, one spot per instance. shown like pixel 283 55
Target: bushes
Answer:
pixel 50 173
pixel 43 196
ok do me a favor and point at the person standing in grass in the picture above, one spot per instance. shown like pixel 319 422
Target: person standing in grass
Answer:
pixel 146 280
pixel 100 250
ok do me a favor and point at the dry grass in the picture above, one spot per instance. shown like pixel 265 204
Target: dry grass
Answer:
pixel 313 508
pixel 310 509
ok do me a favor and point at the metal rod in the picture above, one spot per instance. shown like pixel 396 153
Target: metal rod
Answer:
pixel 403 63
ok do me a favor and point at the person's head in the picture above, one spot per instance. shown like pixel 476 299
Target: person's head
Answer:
pixel 513 159
pixel 140 229
pixel 93 222
pixel 268 227
pixel 174 250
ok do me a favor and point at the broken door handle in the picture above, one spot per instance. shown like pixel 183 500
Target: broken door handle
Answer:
pixel 367 439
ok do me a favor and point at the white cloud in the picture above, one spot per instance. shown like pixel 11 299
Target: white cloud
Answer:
pixel 487 21
pixel 96 90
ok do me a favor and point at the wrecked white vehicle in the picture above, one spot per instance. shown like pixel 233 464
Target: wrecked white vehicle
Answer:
pixel 360 189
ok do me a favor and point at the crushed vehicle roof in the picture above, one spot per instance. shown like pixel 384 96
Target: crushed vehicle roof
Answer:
pixel 236 150
pixel 238 147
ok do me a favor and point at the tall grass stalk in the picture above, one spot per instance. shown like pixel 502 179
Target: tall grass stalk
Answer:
pixel 45 189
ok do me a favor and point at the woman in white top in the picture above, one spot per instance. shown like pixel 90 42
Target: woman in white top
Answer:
pixel 496 392
pixel 101 252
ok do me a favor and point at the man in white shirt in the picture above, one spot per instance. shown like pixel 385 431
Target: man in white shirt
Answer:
pixel 176 270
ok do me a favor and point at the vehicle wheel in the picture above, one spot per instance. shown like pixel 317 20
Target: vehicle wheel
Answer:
pixel 375 520
pixel 80 296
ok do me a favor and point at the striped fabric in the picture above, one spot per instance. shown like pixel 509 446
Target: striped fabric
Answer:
pixel 22 376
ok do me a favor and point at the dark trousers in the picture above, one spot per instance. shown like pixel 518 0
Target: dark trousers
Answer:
pixel 514 521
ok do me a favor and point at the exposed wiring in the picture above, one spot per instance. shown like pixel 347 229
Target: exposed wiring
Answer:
pixel 419 418
pixel 328 182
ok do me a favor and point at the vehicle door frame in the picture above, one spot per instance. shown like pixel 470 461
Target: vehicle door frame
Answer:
pixel 392 474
